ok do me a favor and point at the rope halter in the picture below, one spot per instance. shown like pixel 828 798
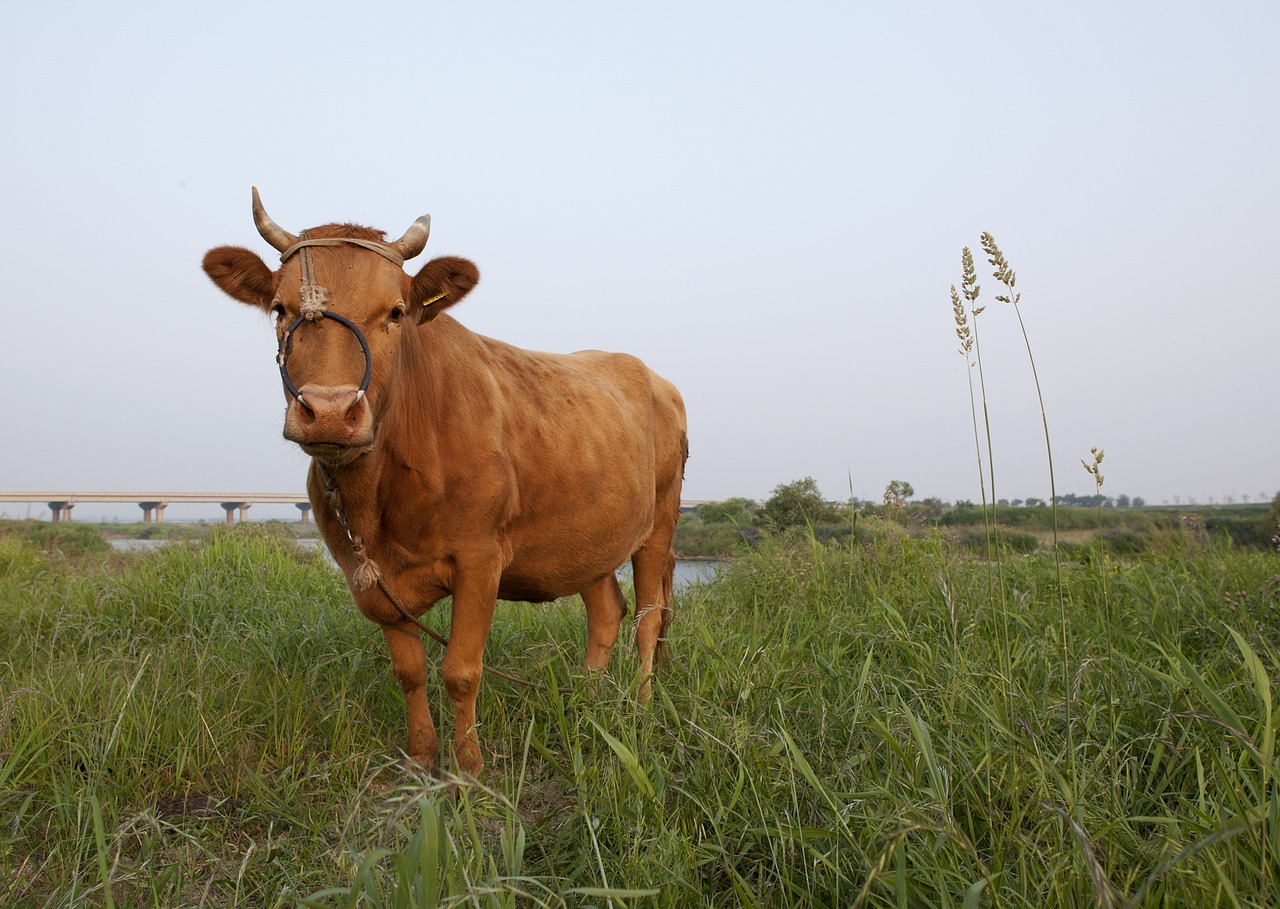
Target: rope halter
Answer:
pixel 314 297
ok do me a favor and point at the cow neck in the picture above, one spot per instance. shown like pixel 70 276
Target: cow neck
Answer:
pixel 410 435
pixel 406 440
pixel 367 572
pixel 412 423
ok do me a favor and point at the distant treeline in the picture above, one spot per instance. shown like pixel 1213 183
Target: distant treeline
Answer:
pixel 1124 525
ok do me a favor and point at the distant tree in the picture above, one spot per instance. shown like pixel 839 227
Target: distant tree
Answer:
pixel 731 511
pixel 1122 501
pixel 897 493
pixel 1139 502
pixel 1034 502
pixel 1017 503
pixel 797 504
pixel 931 508
pixel 1076 500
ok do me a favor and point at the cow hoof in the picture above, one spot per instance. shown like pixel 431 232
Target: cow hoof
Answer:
pixel 422 765
pixel 414 772
pixel 468 765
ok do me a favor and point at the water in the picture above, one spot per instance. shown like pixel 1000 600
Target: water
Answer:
pixel 687 572
pixel 124 545
pixel 696 572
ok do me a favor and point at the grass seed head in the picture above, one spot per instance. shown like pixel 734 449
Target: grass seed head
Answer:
pixel 969 282
pixel 1003 271
pixel 1094 469
pixel 962 323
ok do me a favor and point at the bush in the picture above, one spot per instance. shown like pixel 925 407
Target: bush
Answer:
pixel 1126 543
pixel 731 511
pixel 698 539
pixel 1241 531
pixel 62 538
pixel 798 504
pixel 1010 540
pixel 873 530
pixel 19 561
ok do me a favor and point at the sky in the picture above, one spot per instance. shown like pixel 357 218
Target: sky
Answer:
pixel 766 202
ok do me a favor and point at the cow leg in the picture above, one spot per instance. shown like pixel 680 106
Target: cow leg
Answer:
pixel 653 564
pixel 409 663
pixel 606 609
pixel 474 600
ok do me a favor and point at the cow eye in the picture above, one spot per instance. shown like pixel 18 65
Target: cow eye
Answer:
pixel 278 312
pixel 397 312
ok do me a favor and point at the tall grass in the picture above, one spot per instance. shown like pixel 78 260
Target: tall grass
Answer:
pixel 971 291
pixel 1094 469
pixel 215 725
pixel 1004 273
pixel 1104 890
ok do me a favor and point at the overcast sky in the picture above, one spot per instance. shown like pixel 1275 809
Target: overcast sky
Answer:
pixel 766 202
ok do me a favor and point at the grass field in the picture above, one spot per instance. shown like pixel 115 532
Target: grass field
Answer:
pixel 842 725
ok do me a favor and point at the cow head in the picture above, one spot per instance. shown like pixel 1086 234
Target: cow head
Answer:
pixel 345 309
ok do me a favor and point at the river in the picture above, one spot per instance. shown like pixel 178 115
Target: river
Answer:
pixel 688 571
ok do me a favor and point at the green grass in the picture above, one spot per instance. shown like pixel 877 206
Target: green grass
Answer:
pixel 832 732
pixel 178 531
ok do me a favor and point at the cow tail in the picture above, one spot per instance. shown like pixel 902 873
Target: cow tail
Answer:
pixel 668 609
pixel 622 600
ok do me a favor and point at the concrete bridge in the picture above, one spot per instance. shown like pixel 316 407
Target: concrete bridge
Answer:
pixel 153 504
pixel 61 502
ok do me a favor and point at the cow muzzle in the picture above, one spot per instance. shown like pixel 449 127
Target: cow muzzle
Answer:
pixel 330 422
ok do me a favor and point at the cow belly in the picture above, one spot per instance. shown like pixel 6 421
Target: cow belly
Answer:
pixel 521 590
pixel 571 551
pixel 552 583
pixel 584 513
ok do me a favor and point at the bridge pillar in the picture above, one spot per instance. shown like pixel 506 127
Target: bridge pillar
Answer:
pixel 231 507
pixel 59 508
pixel 305 508
pixel 149 507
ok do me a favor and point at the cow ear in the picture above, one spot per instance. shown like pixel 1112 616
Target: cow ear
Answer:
pixel 442 283
pixel 241 275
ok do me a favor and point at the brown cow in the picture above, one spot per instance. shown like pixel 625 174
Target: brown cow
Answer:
pixel 463 465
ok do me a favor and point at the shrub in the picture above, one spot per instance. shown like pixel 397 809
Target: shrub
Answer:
pixel 64 538
pixel 1242 531
pixel 1011 540
pixel 797 504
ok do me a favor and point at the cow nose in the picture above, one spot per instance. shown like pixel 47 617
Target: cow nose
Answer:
pixel 327 414
pixel 320 402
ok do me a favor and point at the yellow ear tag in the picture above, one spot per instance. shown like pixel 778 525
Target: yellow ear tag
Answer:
pixel 427 317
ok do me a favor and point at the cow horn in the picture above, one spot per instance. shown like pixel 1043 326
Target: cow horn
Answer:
pixel 414 239
pixel 272 232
